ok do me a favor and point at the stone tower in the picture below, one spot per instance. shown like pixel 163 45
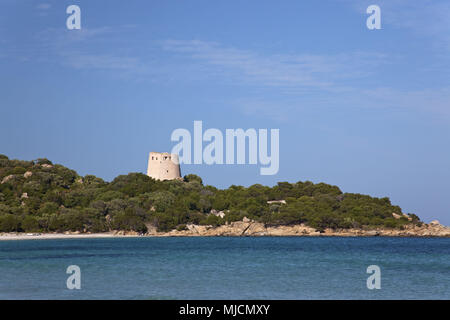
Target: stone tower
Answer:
pixel 163 166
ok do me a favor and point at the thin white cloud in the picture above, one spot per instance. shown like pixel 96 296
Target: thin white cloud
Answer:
pixel 429 102
pixel 100 61
pixel 279 83
pixel 306 80
pixel 434 100
pixel 43 6
pixel 79 49
pixel 62 37
pixel 285 71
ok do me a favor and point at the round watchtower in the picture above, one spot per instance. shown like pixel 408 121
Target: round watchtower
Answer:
pixel 163 166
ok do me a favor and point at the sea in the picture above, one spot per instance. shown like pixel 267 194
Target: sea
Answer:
pixel 226 268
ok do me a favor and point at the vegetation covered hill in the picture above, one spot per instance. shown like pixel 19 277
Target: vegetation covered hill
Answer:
pixel 38 196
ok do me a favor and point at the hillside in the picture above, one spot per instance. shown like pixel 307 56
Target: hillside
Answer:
pixel 39 196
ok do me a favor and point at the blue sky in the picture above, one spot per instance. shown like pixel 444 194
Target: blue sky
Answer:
pixel 367 110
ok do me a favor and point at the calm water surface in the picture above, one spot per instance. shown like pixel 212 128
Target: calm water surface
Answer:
pixel 226 268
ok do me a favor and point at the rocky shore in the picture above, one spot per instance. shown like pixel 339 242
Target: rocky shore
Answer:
pixel 248 228
pixel 251 228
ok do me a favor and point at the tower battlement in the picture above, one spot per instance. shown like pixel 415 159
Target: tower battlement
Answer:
pixel 163 166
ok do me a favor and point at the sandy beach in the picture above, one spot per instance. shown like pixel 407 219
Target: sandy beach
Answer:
pixel 50 236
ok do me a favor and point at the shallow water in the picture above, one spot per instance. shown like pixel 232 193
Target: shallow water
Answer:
pixel 226 268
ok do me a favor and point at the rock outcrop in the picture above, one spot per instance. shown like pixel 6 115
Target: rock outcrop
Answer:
pixel 7 178
pixel 220 214
pixel 27 174
pixel 252 228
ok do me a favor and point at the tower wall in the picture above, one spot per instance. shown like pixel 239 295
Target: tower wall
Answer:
pixel 163 166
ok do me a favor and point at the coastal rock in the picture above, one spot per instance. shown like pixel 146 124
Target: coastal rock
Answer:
pixel 240 228
pixel 403 215
pixel 196 229
pixel 396 216
pixel 251 228
pixel 247 227
pixel 220 214
pixel 256 229
pixel 151 229
pixel 27 174
pixel 125 233
pixel 7 178
pixel 236 228
pixel 407 217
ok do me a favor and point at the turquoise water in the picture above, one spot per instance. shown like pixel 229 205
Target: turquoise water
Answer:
pixel 226 268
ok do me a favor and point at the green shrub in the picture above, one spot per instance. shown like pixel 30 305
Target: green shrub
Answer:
pixel 30 224
pixel 192 178
pixel 10 223
pixel 212 220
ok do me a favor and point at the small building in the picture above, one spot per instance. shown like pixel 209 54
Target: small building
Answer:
pixel 276 202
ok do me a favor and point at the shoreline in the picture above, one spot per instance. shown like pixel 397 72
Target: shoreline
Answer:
pixel 56 236
pixel 245 229
pixel 62 236
pixel 111 236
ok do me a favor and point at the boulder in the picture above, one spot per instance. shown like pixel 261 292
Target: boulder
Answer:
pixel 27 174
pixel 407 217
pixel 7 178
pixel 396 216
pixel 218 213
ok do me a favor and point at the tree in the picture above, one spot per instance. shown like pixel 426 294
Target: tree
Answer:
pixel 9 223
pixel 30 224
pixel 192 178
